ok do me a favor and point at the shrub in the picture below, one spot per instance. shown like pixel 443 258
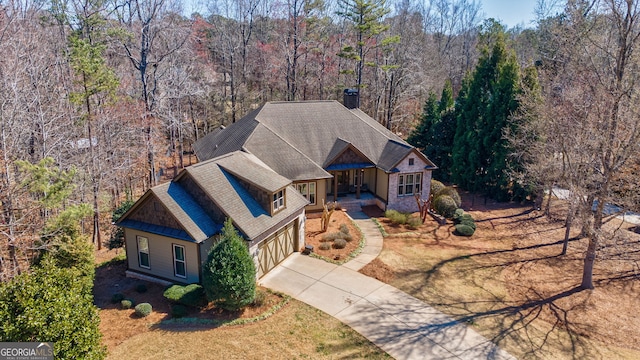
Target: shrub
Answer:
pixel 143 309
pixel 331 236
pixel 347 237
pixel 396 217
pixel 414 222
pixel 117 236
pixel 451 192
pixel 464 230
pixel 178 311
pixel 126 304
pixel 116 298
pixel 261 297
pixel 141 288
pixel 339 243
pixel 445 206
pixel 457 214
pixel 468 223
pixel 436 186
pixel 191 295
pixel 324 246
pixel 53 304
pixel 344 229
pixel 229 274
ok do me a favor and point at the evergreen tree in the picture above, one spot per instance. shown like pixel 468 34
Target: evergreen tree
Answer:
pixel 52 304
pixel 487 101
pixel 229 275
pixel 435 133
pixel 421 136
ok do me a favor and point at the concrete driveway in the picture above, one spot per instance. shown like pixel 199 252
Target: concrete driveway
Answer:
pixel 401 325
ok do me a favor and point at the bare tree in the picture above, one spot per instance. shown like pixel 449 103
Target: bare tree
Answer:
pixel 592 86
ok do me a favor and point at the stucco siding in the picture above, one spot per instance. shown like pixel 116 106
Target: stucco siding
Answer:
pixel 161 256
pixel 382 184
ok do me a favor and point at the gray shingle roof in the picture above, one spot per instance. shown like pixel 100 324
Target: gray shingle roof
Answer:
pixel 219 180
pixel 304 132
pixel 188 213
pixel 223 188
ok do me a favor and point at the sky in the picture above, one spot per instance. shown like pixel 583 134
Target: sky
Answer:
pixel 510 12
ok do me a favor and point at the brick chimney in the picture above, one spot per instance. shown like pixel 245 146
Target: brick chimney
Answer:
pixel 351 98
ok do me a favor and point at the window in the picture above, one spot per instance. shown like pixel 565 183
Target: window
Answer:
pixel 411 161
pixel 143 252
pixel 409 184
pixel 308 190
pixel 179 262
pixel 278 200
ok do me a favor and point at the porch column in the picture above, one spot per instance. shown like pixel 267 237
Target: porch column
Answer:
pixel 359 183
pixel 335 186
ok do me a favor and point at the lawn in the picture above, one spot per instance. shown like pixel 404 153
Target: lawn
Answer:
pixel 509 282
pixel 293 330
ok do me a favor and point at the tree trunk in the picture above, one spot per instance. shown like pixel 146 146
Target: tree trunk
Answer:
pixel 567 231
pixel 589 260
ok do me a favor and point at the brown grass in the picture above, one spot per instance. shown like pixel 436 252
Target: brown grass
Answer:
pixel 294 331
pixel 509 281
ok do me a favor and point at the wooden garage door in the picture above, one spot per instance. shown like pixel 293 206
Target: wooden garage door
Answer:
pixel 277 247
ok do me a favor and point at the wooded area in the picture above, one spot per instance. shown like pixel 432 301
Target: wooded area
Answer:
pixel 107 96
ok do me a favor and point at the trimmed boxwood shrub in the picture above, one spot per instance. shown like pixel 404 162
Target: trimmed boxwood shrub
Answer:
pixel 464 230
pixel 143 309
pixel 116 298
pixel 451 192
pixel 445 206
pixel 178 311
pixel 457 214
pixel 436 186
pixel 191 295
pixel 126 304
pixel 339 243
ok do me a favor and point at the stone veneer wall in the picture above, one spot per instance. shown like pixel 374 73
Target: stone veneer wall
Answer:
pixel 407 203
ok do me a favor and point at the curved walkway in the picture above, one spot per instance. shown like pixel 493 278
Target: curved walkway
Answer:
pixel 401 325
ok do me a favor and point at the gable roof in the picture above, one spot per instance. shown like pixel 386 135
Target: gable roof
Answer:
pixel 309 134
pixel 219 180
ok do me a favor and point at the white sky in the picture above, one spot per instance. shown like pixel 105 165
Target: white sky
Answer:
pixel 510 12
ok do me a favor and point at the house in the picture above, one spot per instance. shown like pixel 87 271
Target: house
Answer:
pixel 328 151
pixel 264 172
pixel 171 228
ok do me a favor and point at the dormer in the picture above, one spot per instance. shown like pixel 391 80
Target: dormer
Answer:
pixel 267 188
pixel 279 202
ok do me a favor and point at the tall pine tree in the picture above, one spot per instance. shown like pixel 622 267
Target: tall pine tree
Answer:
pixel 488 98
pixel 436 130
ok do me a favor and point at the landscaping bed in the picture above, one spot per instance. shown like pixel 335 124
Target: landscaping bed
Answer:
pixel 118 325
pixel 315 236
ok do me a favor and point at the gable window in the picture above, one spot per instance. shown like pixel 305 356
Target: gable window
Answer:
pixel 143 252
pixel 278 200
pixel 308 190
pixel 409 184
pixel 411 161
pixel 179 262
